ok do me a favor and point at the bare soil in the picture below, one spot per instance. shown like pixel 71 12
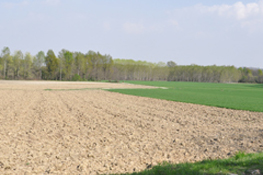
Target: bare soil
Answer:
pixel 95 131
pixel 64 85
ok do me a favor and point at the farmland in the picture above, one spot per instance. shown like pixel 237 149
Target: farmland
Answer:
pixel 80 128
pixel 234 96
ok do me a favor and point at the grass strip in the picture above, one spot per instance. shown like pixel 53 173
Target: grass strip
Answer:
pixel 241 163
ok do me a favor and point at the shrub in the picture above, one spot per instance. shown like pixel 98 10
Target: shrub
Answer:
pixel 76 77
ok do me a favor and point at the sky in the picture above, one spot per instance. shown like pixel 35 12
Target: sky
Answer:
pixel 223 32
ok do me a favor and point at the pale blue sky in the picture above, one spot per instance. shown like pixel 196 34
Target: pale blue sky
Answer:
pixel 225 32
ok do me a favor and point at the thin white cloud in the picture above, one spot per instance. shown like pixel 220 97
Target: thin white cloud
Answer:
pixel 238 10
pixel 106 25
pixel 173 22
pixel 35 17
pixel 133 28
pixel 15 4
pixel 77 16
pixel 51 2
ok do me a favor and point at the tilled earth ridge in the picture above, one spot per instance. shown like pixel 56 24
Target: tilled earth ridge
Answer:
pixel 64 85
pixel 90 132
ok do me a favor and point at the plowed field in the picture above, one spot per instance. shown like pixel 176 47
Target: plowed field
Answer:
pixel 95 131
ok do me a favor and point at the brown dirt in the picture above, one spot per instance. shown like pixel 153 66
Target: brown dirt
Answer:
pixel 95 131
pixel 64 85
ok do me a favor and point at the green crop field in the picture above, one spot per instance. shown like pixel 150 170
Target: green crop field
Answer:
pixel 234 96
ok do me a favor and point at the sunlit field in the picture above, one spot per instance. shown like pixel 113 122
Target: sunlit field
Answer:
pixel 51 127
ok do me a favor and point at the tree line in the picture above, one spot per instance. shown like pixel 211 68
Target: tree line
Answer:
pixel 93 66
